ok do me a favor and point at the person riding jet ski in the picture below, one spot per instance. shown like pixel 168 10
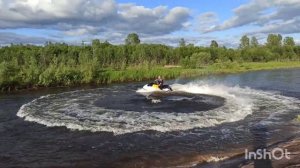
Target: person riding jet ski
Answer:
pixel 160 82
pixel 157 85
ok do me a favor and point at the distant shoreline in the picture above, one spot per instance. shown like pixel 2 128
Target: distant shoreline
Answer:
pixel 168 72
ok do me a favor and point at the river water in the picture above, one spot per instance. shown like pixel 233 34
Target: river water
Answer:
pixel 124 126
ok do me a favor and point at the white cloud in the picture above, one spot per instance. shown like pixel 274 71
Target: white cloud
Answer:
pixel 285 27
pixel 81 31
pixel 156 21
pixel 83 17
pixel 7 38
pixel 271 16
pixel 35 11
pixel 207 21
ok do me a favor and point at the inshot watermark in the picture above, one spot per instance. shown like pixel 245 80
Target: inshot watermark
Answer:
pixel 276 153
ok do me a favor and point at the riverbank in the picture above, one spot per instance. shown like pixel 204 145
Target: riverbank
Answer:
pixel 142 74
pixel 109 76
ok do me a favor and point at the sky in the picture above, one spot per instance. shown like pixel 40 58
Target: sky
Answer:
pixel 155 21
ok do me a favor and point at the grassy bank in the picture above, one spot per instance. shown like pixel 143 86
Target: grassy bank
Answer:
pixel 171 73
pixel 109 76
pixel 142 74
pixel 60 64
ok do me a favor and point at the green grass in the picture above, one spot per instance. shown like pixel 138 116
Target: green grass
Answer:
pixel 75 76
pixel 251 66
pixel 141 74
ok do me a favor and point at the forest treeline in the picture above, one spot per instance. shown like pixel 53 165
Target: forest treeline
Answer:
pixel 60 64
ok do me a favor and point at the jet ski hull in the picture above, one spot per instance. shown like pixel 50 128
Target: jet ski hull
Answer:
pixel 151 87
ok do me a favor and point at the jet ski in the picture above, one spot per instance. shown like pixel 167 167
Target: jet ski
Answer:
pixel 152 87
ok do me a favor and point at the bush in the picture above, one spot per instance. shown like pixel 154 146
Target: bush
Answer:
pixel 47 78
pixel 9 76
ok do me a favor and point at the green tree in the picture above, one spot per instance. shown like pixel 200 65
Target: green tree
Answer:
pixel 214 44
pixel 132 39
pixel 182 42
pixel 274 40
pixel 60 64
pixel 244 42
pixel 214 52
pixel 288 48
pixel 9 75
pixel 254 42
pixel 289 41
pixel 95 43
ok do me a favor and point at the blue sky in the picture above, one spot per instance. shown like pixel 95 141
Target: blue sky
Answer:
pixel 164 21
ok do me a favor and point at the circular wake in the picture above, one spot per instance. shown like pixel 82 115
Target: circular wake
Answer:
pixel 121 110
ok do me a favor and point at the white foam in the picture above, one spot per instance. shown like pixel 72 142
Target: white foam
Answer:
pixel 216 158
pixel 155 101
pixel 66 110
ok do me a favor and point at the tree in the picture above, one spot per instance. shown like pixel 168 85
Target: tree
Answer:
pixel 245 42
pixel 274 40
pixel 254 42
pixel 182 42
pixel 214 44
pixel 95 43
pixel 197 60
pixel 132 39
pixel 288 48
pixel 9 75
pixel 289 41
pixel 60 64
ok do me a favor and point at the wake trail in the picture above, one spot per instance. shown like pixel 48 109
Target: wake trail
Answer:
pixel 77 110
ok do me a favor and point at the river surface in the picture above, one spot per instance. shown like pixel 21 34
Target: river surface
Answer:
pixel 124 126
